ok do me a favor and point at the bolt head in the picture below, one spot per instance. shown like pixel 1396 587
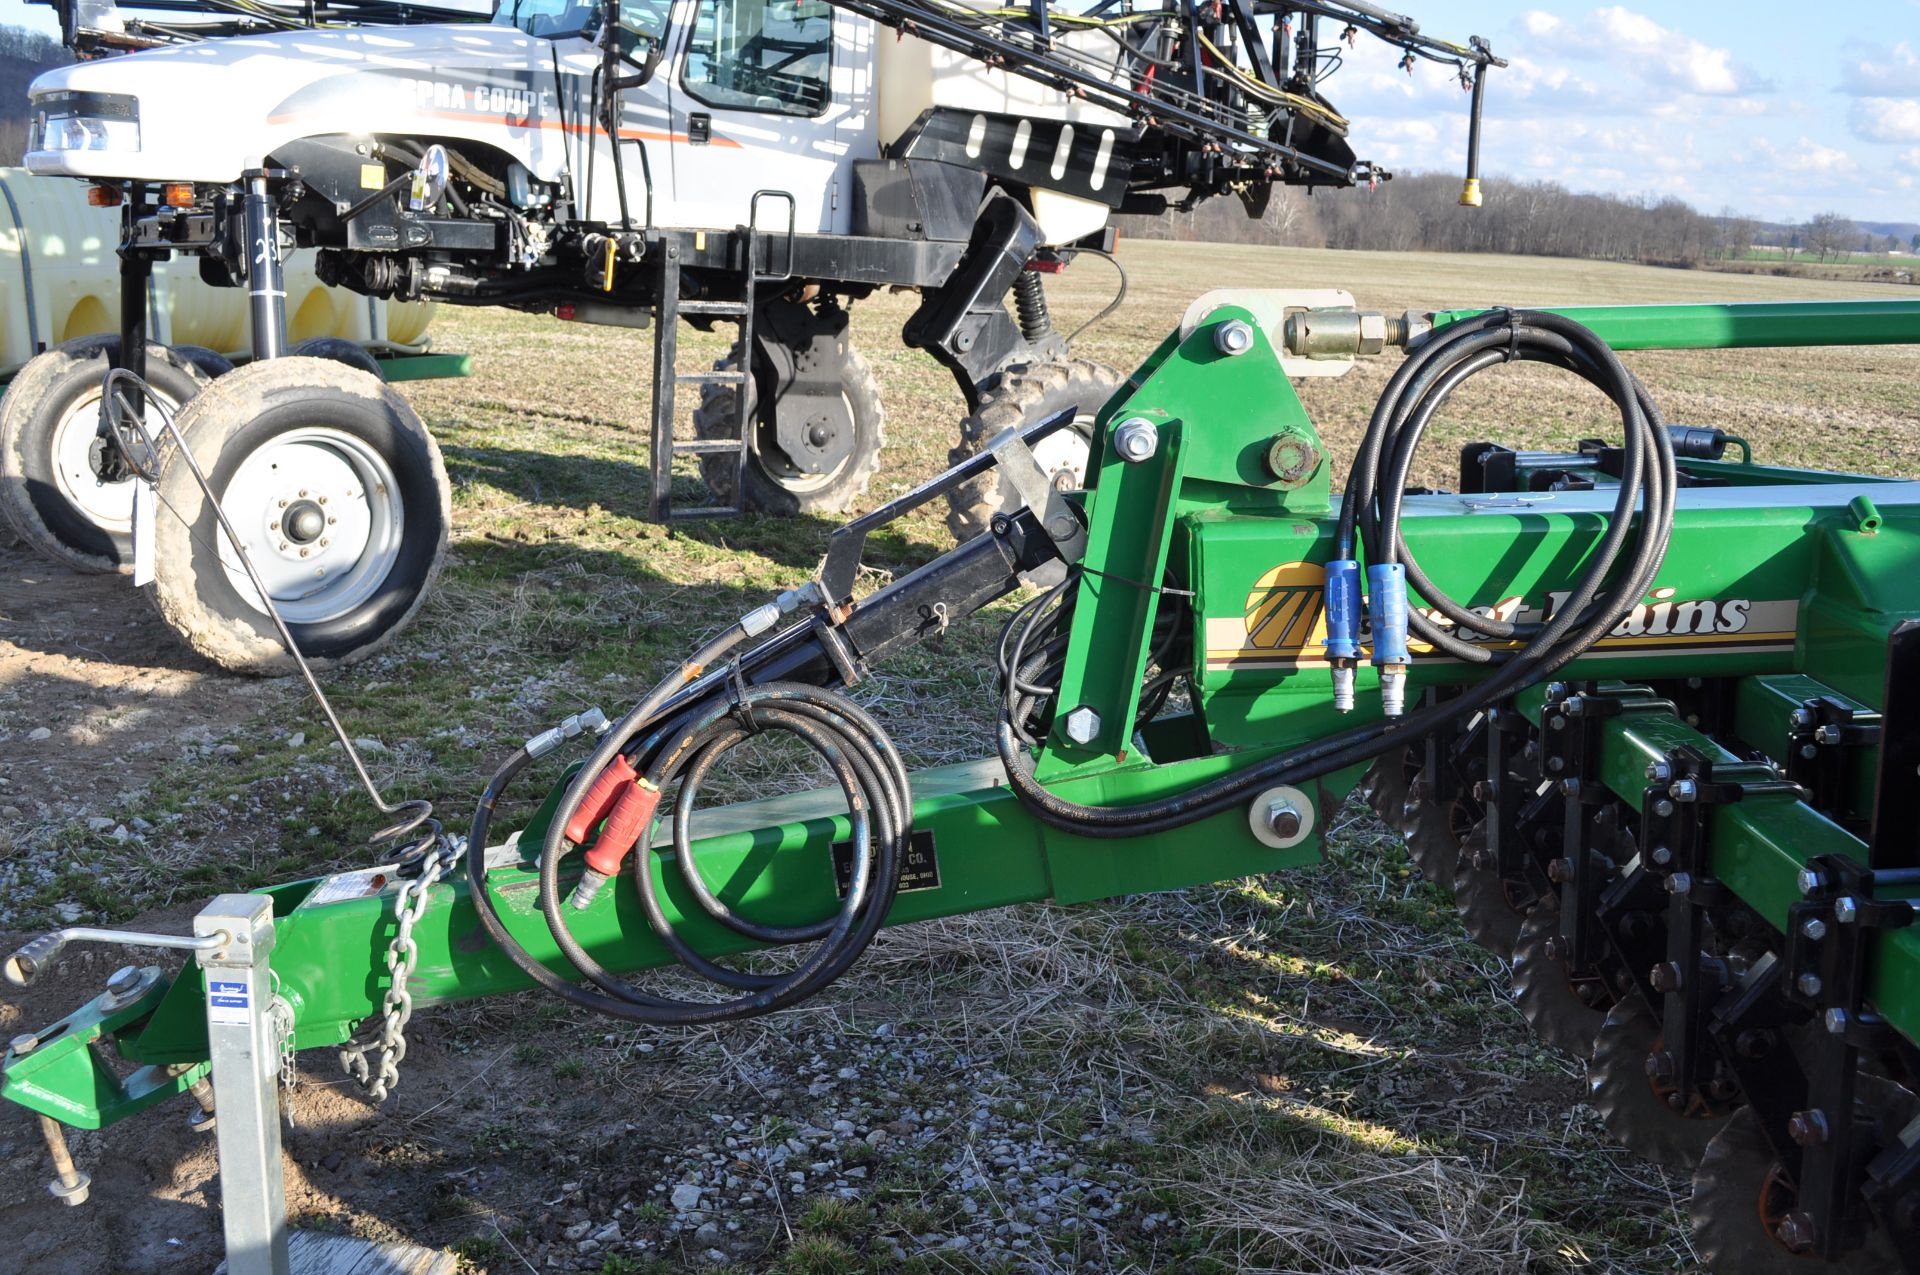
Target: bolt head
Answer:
pixel 1556 690
pixel 23 1044
pixel 1800 718
pixel 1795 1232
pixel 1835 1020
pixel 1809 751
pixel 1575 706
pixel 123 980
pixel 1061 527
pixel 1680 883
pixel 1083 724
pixel 1569 787
pixel 1233 337
pixel 1808 1127
pixel 1663 808
pixel 1811 881
pixel 1659 772
pixel 1283 819
pixel 1846 910
pixel 1809 984
pixel 1661 855
pixel 1683 790
pixel 1136 439
pixel 1813 928
pixel 1659 1065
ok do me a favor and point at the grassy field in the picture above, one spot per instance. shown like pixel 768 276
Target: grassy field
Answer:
pixel 1313 1072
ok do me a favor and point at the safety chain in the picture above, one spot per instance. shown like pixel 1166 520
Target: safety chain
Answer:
pixel 378 1079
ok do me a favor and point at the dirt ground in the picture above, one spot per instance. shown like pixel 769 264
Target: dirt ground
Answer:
pixel 1312 1072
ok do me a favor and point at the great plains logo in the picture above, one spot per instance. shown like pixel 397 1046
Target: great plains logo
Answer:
pixel 1283 624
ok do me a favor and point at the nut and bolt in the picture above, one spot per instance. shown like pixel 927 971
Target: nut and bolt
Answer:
pixel 1827 735
pixel 1233 337
pixel 1575 706
pixel 1846 910
pixel 1664 977
pixel 1060 527
pixel 1809 751
pixel 1680 883
pixel 123 981
pixel 1795 1232
pixel 1809 984
pixel 1811 881
pixel 1569 787
pixel 69 1185
pixel 1835 1020
pixel 1083 724
pixel 1813 928
pixel 1808 1128
pixel 23 1044
pixel 1663 808
pixel 1556 764
pixel 1661 855
pixel 1556 690
pixel 1659 772
pixel 1800 718
pixel 1683 790
pixel 1136 439
pixel 1283 819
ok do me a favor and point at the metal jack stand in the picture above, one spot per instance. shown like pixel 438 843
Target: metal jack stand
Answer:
pixel 244 1042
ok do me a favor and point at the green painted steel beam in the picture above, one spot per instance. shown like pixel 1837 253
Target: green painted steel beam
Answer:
pixel 1737 325
pixel 425 367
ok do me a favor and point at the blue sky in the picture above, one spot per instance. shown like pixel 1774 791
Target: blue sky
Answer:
pixel 1743 105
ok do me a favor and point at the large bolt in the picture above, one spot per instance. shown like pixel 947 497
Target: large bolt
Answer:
pixel 1283 819
pixel 1659 772
pixel 1845 910
pixel 1680 883
pixel 1083 724
pixel 1813 928
pixel 1660 1065
pixel 1835 1020
pixel 1661 855
pixel 1809 984
pixel 1062 526
pixel 1795 1232
pixel 1808 1127
pixel 1235 336
pixel 1663 808
pixel 69 1185
pixel 1812 881
pixel 23 1044
pixel 123 981
pixel 1136 439
pixel 1800 718
pixel 1665 977
pixel 1683 790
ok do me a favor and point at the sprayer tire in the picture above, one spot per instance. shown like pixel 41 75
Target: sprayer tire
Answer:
pixel 340 350
pixel 1023 395
pixel 773 492
pixel 279 440
pixel 49 452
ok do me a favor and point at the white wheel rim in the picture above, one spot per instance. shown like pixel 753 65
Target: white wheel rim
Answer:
pixel 320 513
pixel 107 505
pixel 1063 455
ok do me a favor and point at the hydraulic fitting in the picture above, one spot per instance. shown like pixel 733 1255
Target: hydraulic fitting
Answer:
pixel 1343 628
pixel 599 799
pixel 1387 606
pixel 630 816
pixel 547 740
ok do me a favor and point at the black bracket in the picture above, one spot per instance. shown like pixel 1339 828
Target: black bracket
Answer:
pixel 1826 960
pixel 1822 738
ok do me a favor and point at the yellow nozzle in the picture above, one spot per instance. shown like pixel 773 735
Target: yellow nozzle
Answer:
pixel 1470 193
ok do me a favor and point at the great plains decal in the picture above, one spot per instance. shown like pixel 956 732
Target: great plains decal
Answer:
pixel 1283 624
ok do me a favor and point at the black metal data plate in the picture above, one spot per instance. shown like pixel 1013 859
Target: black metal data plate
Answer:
pixel 921 871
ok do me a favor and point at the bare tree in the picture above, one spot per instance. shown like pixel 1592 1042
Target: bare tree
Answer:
pixel 1827 235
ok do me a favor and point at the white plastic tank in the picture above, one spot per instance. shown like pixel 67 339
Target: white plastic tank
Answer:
pixel 60 279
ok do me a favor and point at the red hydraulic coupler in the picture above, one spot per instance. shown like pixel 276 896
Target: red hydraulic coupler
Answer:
pixel 599 799
pixel 631 814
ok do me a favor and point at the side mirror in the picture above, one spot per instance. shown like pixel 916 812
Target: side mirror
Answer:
pixel 429 179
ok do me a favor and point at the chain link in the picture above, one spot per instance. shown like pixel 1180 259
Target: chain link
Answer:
pixel 389 1047
pixel 280 1014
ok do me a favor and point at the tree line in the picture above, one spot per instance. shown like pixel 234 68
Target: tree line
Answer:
pixel 1421 212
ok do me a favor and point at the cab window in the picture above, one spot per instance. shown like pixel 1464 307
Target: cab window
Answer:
pixel 772 56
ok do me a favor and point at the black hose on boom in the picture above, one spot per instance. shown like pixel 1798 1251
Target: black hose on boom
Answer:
pixel 1372 507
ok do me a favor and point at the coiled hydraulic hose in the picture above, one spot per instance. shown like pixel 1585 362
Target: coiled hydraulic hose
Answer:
pixel 682 747
pixel 1372 506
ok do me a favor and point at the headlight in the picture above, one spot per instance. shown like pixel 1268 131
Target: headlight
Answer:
pixel 85 122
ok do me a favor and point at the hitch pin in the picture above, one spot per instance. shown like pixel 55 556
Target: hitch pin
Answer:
pixel 27 964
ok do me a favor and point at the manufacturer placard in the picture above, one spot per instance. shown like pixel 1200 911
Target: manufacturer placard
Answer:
pixel 228 1003
pixel 921 871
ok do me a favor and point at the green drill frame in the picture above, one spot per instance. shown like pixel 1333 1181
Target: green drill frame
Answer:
pixel 1787 591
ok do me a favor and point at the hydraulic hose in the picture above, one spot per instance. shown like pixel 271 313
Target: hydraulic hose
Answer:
pixel 683 751
pixel 1371 507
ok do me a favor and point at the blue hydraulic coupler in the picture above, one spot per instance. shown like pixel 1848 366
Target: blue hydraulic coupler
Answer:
pixel 1387 604
pixel 1343 628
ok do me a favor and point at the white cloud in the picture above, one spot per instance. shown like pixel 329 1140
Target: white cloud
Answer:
pixel 1806 156
pixel 1635 44
pixel 1886 119
pixel 1894 75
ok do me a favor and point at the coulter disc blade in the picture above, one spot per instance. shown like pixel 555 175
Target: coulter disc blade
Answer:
pixel 1635 1106
pixel 1489 907
pixel 1551 1003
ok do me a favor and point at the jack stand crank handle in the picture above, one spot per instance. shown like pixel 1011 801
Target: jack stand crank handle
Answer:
pixel 27 964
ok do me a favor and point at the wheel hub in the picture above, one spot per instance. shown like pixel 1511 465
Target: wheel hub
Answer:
pixel 88 470
pixel 321 517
